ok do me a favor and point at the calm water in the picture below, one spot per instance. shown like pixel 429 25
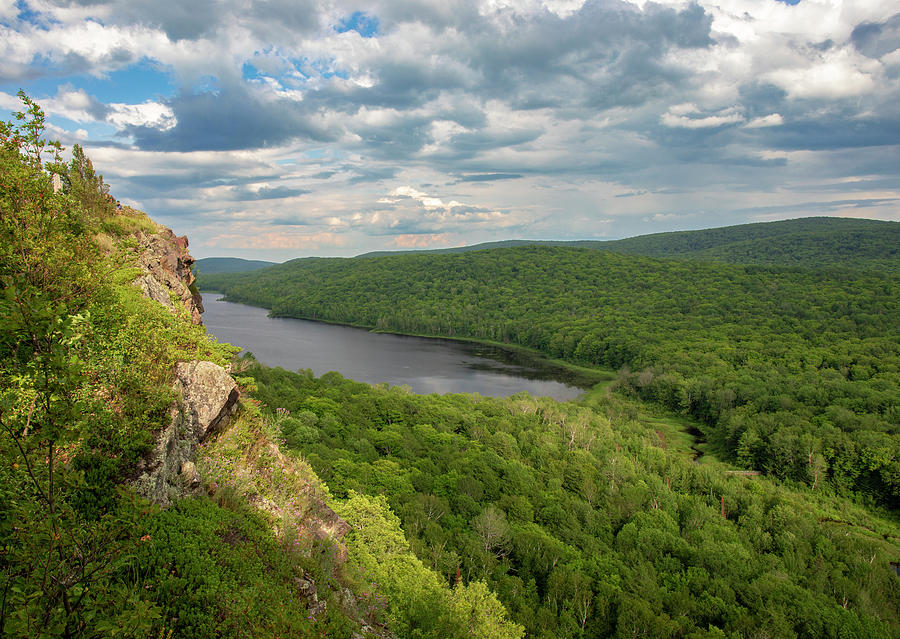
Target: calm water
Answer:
pixel 426 365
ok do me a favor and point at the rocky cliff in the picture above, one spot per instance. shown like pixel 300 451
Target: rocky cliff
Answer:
pixel 167 276
pixel 207 400
pixel 207 394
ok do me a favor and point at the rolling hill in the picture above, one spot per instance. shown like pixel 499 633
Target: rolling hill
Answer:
pixel 814 242
pixel 209 265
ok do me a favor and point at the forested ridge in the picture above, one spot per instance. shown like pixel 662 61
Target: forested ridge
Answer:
pixel 815 242
pixel 583 523
pixel 792 371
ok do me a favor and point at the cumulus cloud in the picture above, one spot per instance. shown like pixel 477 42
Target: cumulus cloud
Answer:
pixel 455 212
pixel 147 114
pixel 689 117
pixel 410 241
pixel 461 120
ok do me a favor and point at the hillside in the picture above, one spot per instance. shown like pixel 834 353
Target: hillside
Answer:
pixel 211 265
pixel 153 485
pixel 142 493
pixel 795 372
pixel 587 523
pixel 816 242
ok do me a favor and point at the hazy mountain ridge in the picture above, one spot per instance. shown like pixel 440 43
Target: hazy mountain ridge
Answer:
pixel 210 265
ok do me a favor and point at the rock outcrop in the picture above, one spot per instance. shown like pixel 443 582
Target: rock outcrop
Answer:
pixel 209 399
pixel 207 394
pixel 210 394
pixel 166 266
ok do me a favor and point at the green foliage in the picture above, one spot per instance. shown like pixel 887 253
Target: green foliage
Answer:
pixel 578 521
pixel 217 572
pixel 85 380
pixel 88 188
pixel 418 603
pixel 795 372
pixel 815 242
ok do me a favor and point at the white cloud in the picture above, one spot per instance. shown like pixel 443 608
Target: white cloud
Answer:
pixel 773 119
pixel 507 116
pixel 452 211
pixel 152 114
pixel 839 74
pixel 688 116
pixel 8 9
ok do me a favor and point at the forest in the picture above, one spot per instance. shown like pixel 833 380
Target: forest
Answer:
pixel 583 523
pixel 789 370
pixel 815 242
pixel 464 516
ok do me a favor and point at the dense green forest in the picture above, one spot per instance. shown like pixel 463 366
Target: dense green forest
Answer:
pixel 816 242
pixel 792 371
pixel 584 524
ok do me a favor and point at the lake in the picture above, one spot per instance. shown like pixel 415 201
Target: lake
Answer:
pixel 426 365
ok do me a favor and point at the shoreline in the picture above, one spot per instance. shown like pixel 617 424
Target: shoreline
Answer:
pixel 584 374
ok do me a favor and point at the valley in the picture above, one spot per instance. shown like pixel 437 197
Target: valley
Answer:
pixel 155 483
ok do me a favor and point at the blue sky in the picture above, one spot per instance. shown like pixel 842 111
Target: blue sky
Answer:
pixel 285 128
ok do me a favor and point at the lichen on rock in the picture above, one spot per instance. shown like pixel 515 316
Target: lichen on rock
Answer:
pixel 208 400
pixel 209 392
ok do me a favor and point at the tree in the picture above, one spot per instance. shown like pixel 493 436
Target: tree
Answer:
pixel 480 612
pixel 63 550
pixel 493 530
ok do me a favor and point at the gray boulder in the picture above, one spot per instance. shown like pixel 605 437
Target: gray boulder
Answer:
pixel 208 400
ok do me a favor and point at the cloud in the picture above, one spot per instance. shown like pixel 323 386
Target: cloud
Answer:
pixel 263 240
pixel 420 241
pixel 836 74
pixel 265 192
pixel 453 210
pixel 489 177
pixel 471 118
pixel 688 116
pixel 146 115
pixel 235 117
pixel 773 119
pixel 875 40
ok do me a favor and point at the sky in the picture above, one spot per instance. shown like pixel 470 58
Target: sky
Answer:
pixel 274 129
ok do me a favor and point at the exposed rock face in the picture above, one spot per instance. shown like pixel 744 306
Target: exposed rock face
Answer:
pixel 209 393
pixel 209 400
pixel 151 288
pixel 327 524
pixel 167 269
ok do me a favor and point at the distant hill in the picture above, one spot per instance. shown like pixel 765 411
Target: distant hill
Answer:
pixel 814 242
pixel 210 265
